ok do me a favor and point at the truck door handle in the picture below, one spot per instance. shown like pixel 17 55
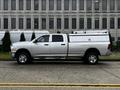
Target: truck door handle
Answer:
pixel 46 44
pixel 62 44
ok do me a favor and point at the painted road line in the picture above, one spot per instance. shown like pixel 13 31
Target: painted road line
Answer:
pixel 59 85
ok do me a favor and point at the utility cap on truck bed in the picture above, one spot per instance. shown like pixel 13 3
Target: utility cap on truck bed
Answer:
pixel 92 32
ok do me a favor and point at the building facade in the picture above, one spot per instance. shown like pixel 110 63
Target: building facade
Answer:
pixel 61 15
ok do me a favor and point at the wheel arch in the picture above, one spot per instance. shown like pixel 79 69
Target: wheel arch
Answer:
pixel 22 50
pixel 92 50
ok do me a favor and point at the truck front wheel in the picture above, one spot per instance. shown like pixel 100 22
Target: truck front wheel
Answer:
pixel 91 58
pixel 23 58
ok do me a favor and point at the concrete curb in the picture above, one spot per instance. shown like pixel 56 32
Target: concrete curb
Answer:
pixel 59 85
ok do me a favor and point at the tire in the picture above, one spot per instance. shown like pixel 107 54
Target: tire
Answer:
pixel 91 58
pixel 23 58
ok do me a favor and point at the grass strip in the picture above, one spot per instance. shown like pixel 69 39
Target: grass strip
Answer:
pixel 5 56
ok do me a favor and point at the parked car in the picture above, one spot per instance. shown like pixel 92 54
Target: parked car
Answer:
pixel 89 45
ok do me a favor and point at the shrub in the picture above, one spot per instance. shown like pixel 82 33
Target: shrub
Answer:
pixel 6 42
pixel 0 48
pixel 22 37
pixel 33 36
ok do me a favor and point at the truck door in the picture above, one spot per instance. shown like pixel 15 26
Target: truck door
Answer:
pixel 58 45
pixel 41 46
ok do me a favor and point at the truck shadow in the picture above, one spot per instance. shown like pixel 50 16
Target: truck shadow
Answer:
pixel 64 62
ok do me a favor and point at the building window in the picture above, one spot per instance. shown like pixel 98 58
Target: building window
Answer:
pixel 74 6
pixel 96 4
pixel 43 4
pixel 89 5
pixel 58 4
pixel 96 23
pixel 113 38
pixel 36 4
pixel 5 4
pixel 118 39
pixel 118 23
pixel 28 4
pixel 73 23
pixel 58 23
pixel 81 4
pixel 112 23
pixel 51 4
pixel 13 23
pixel 89 23
pixel 28 23
pixel 66 4
pixel 104 23
pixel 51 23
pixel 81 23
pixel 21 23
pixel 36 23
pixel 5 23
pixel 112 4
pixel 21 4
pixel 43 23
pixel 13 4
pixel 118 4
pixel 66 23
pixel 104 5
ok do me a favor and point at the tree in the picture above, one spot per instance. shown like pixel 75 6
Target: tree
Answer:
pixel 6 42
pixel 33 36
pixel 22 37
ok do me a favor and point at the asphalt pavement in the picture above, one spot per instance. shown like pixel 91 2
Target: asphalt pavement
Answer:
pixel 60 72
pixel 106 72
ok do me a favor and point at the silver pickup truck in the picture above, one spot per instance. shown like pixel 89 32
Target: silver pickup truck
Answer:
pixel 88 45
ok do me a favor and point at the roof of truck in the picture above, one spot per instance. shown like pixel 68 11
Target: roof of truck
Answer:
pixel 91 32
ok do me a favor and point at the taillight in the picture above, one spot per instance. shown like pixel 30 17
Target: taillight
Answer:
pixel 110 46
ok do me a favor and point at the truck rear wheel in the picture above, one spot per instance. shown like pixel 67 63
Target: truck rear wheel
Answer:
pixel 23 58
pixel 91 58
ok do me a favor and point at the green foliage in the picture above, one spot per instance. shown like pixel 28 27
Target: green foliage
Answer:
pixel 118 45
pixel 22 37
pixel 0 48
pixel 6 42
pixel 33 36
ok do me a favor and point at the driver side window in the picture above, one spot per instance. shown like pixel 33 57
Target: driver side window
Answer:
pixel 44 38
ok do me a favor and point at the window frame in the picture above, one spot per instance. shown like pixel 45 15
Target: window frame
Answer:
pixel 103 24
pixel 36 5
pixel 13 5
pixel 21 5
pixel 5 4
pixel 28 23
pixel 5 20
pixel 28 5
pixel 21 23
pixel 13 23
pixel 66 5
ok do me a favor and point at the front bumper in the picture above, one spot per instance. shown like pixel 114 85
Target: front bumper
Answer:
pixel 13 55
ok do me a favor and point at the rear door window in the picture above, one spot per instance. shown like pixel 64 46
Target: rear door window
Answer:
pixel 57 38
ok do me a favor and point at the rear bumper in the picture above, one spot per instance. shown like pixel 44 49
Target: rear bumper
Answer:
pixel 108 53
